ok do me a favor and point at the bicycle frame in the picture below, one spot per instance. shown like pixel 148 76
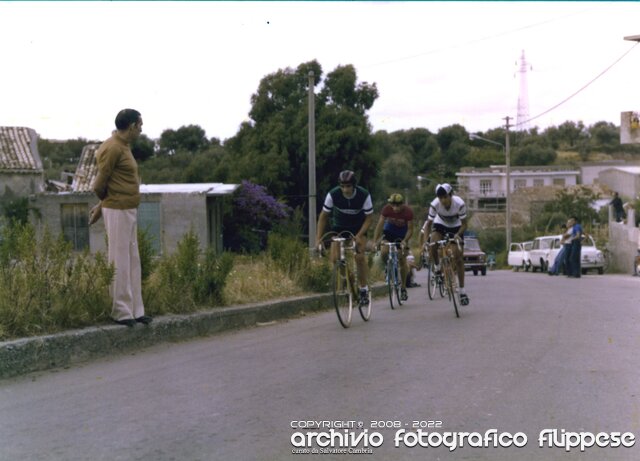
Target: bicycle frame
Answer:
pixel 345 289
pixel 448 268
pixel 393 274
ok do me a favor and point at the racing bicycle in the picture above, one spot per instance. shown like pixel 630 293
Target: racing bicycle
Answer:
pixel 393 274
pixel 344 280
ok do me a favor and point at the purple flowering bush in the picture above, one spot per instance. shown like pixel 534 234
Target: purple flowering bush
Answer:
pixel 252 215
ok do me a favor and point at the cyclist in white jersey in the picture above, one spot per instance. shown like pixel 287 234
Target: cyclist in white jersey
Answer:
pixel 447 216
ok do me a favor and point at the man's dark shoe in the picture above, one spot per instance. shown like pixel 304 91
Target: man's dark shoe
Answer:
pixel 145 319
pixel 125 322
pixel 403 294
pixel 464 299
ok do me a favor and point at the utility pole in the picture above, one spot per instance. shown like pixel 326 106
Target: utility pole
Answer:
pixel 312 162
pixel 508 174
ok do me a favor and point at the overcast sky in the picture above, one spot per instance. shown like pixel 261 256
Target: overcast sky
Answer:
pixel 67 68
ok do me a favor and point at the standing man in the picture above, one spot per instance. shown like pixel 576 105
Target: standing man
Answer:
pixel 575 248
pixel 618 208
pixel 395 225
pixel 117 185
pixel 351 210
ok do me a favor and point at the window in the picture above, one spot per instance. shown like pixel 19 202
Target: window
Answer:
pixel 519 184
pixel 486 186
pixel 149 222
pixel 538 182
pixel 558 182
pixel 75 224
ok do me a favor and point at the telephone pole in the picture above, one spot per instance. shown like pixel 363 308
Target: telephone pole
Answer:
pixel 508 175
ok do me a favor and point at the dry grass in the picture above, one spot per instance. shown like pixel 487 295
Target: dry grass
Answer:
pixel 255 279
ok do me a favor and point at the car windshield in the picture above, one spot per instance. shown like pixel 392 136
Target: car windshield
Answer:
pixel 472 244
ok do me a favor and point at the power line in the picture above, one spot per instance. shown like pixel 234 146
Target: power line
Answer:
pixel 581 89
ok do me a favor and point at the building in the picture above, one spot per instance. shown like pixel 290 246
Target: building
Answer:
pixel 485 189
pixel 21 170
pixel 623 179
pixel 166 212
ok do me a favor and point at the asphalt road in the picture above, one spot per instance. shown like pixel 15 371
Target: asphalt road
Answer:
pixel 530 353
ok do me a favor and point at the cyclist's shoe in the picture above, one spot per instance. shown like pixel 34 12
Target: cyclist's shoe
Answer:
pixel 464 299
pixel 403 294
pixel 364 296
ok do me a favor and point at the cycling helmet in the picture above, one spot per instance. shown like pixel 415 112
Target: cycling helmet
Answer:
pixel 347 177
pixel 396 199
pixel 444 189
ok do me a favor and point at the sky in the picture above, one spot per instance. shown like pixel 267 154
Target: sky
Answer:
pixel 69 67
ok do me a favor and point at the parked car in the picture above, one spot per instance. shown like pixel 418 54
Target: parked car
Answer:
pixel 519 255
pixel 590 257
pixel 540 251
pixel 474 258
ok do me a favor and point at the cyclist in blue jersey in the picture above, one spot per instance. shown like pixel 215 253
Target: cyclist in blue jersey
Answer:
pixel 348 207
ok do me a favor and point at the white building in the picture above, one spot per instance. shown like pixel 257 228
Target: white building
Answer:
pixel 486 188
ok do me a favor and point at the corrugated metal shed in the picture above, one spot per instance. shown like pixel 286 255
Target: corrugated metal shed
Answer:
pixel 86 170
pixel 19 150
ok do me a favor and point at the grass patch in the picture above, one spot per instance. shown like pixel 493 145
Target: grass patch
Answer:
pixel 258 278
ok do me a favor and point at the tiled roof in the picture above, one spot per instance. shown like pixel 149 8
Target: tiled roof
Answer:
pixel 19 149
pixel 87 169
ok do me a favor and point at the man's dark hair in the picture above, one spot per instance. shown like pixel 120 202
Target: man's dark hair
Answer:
pixel 575 218
pixel 126 118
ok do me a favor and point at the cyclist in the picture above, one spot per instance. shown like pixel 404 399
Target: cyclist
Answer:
pixel 447 216
pixel 350 208
pixel 395 225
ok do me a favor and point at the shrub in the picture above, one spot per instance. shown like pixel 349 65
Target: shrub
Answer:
pixel 254 213
pixel 45 287
pixel 186 279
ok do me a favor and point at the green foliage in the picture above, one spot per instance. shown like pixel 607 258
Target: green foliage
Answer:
pixel 187 279
pixel 292 257
pixel 191 138
pixel 45 287
pixel 576 202
pixel 143 148
pixel 147 253
pixel 15 209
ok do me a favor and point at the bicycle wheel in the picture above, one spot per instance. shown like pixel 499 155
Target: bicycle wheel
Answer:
pixel 342 293
pixel 390 281
pixel 365 309
pixel 397 285
pixel 432 282
pixel 451 286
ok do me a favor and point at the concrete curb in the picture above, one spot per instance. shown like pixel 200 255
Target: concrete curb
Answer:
pixel 40 353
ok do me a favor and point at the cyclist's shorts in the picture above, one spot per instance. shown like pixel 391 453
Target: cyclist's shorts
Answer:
pixel 391 238
pixel 447 231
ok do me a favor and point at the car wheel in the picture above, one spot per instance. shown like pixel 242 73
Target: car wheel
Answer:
pixel 475 272
pixel 583 271
pixel 484 271
pixel 600 271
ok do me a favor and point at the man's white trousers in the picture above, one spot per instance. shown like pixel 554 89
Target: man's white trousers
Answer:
pixel 122 242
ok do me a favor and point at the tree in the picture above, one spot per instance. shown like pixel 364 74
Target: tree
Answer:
pixel 143 148
pixel 575 202
pixel 190 138
pixel 272 148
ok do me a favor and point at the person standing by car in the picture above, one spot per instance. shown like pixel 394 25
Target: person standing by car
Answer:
pixel 618 209
pixel 117 185
pixel 575 248
pixel 560 263
pixel 447 217
pixel 350 209
pixel 396 225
